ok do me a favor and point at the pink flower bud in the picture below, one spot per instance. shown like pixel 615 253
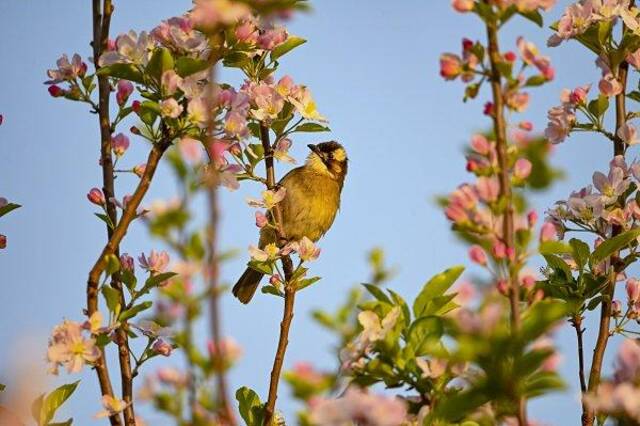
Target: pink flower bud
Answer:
pixel 462 6
pixel 467 44
pixel 616 308
pixel 527 126
pixel 522 168
pixel 480 144
pixel 139 169
pixel 532 218
pixel 275 280
pixel 610 86
pixel 125 88
pixel 488 109
pixel 547 232
pixel 126 262
pixel 96 196
pixel 162 348
pixel 261 219
pixel 472 165
pixel 119 144
pixel 503 287
pixel 579 95
pixel 1 119
pixel 633 290
pixel 135 106
pixel 3 241
pixel 528 280
pixel 450 66
pixel 56 91
pixel 111 44
pixel 477 255
pixel 510 57
pixel 499 250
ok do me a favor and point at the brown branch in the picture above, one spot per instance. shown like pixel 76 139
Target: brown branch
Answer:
pixel 504 177
pixel 101 23
pixel 588 415
pixel 289 289
pixel 576 322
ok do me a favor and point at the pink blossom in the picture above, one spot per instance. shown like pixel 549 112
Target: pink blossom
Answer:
pixel 532 218
pixel 527 126
pixel 433 368
pixel 124 90
pixel 96 196
pixel 547 232
pixel 576 19
pixel 633 290
pixel 281 153
pixel 69 348
pixel 612 185
pixel 269 252
pixel 480 144
pixel 130 48
pixel 478 255
pixel 610 86
pixel 139 169
pixel 286 87
pixel 628 133
pixel 127 262
pixel 178 35
pixel 561 122
pixel 246 32
pixel 499 250
pixel 628 361
pixel 450 66
pixel 269 199
pixel 358 406
pixel 634 59
pixel 190 149
pixel 261 219
pixel 67 71
pixel 235 124
pixel 224 353
pixel 119 144
pixel 463 6
pixel 272 38
pixel 171 108
pixel 531 56
pixel 306 249
pixel 209 14
pixel 517 101
pixel 169 82
pixel 162 348
pixel 197 111
pixel 522 168
pixel 156 262
pixel 616 309
pixel 488 188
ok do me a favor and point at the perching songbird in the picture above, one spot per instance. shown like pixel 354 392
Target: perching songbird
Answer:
pixel 309 207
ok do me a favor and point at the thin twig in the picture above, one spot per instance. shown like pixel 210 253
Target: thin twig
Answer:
pixel 576 322
pixel 508 234
pixel 289 289
pixel 100 34
pixel 588 415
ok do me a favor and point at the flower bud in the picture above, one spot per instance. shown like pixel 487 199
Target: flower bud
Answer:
pixel 527 126
pixel 499 250
pixel 126 262
pixel 261 219
pixel 134 130
pixel 162 348
pixel 547 232
pixel 532 218
pixel 450 66
pixel 119 144
pixel 96 196
pixel 135 106
pixel 56 91
pixel 477 255
pixel 139 169
pixel 3 241
pixel 510 57
pixel 616 309
pixel 467 44
pixel 125 88
pixel 275 280
pixel 462 6
pixel 633 290
pixel 522 168
pixel 488 109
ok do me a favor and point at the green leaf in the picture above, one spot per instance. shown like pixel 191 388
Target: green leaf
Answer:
pixel 264 267
pixel 536 80
pixel 377 293
pixel 149 111
pixel 291 43
pixel 122 71
pixel 581 252
pixel 54 400
pixel 186 66
pixel 36 407
pixel 235 60
pixel 111 296
pixel 160 61
pixel 306 282
pixel 399 301
pixel 424 333
pixel 436 286
pixel 8 207
pixel 158 279
pixel 554 247
pixel 540 317
pixel 534 16
pixel 635 95
pixel 249 406
pixel 129 279
pixel 612 245
pixel 113 264
pixel 559 265
pixel 270 289
pixel 599 106
pixel 311 127
pixel 67 423
pixel 135 310
pixel 105 219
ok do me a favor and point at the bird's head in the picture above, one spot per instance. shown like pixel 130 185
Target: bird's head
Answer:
pixel 328 158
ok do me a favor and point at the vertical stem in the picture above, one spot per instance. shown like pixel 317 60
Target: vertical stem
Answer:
pixel 577 324
pixel 104 93
pixel 595 374
pixel 289 289
pixel 508 234
pixel 101 22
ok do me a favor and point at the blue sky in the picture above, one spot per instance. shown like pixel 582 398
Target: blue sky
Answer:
pixel 373 68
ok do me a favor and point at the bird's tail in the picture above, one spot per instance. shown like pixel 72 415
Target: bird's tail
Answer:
pixel 247 285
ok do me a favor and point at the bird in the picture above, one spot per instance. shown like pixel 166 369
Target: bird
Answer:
pixel 310 205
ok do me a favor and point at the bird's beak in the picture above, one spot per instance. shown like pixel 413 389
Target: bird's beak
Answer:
pixel 315 150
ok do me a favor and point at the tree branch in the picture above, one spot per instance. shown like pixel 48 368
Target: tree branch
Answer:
pixel 289 289
pixel 504 178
